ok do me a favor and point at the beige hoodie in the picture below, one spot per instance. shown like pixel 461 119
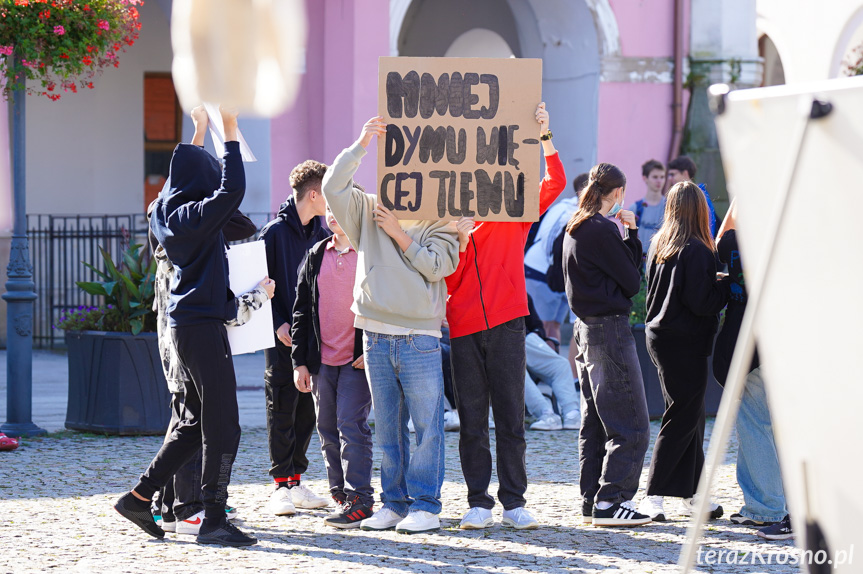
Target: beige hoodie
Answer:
pixel 394 287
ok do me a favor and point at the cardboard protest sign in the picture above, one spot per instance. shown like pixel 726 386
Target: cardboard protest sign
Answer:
pixel 462 138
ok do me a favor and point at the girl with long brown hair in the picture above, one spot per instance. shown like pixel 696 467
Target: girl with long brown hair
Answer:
pixel 602 275
pixel 684 297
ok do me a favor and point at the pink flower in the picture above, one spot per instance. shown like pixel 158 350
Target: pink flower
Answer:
pixel 59 30
pixel 110 55
pixel 6 50
pixel 103 24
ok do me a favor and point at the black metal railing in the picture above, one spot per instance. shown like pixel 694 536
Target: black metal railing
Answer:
pixel 59 244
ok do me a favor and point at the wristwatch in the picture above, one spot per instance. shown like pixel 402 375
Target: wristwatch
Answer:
pixel 548 135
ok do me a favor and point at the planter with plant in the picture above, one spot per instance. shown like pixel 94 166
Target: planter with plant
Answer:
pixel 116 383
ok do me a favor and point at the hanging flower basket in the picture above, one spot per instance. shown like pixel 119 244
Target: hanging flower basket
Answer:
pixel 63 44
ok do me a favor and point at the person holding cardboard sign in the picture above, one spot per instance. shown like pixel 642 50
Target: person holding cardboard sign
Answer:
pixel 486 310
pixel 399 301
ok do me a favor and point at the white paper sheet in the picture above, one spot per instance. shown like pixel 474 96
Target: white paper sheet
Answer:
pixel 247 265
pixel 217 132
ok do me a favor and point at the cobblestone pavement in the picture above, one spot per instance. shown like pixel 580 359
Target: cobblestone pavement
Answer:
pixel 56 494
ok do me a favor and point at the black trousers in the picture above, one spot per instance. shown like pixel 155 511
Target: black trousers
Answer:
pixel 181 497
pixel 490 365
pixel 290 415
pixel 210 418
pixel 678 455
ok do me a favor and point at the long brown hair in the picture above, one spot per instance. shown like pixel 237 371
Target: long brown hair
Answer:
pixel 686 216
pixel 602 180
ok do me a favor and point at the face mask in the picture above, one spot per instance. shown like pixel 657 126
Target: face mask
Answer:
pixel 615 209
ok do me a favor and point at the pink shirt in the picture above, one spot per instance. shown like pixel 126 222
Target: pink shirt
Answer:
pixel 335 297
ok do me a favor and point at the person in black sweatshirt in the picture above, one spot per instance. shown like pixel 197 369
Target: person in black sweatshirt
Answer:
pixel 290 413
pixel 684 297
pixel 602 275
pixel 187 222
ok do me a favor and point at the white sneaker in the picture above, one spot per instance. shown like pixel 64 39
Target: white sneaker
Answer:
pixel 490 420
pixel 652 507
pixel 519 518
pixel 451 421
pixel 303 497
pixel 169 526
pixel 411 427
pixel 191 525
pixel 572 420
pixel 687 507
pixel 418 521
pixel 477 518
pixel 383 519
pixel 281 503
pixel 547 422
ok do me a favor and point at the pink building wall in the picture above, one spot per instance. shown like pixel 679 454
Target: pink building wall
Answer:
pixel 338 92
pixel 635 119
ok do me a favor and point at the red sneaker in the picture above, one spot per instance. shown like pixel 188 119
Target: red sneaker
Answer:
pixel 7 442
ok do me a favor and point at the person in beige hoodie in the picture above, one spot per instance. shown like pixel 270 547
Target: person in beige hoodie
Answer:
pixel 399 302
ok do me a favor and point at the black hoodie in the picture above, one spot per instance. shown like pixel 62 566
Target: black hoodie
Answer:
pixel 188 220
pixel 287 241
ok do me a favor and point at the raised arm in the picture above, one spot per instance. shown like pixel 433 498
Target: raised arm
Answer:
pixel 200 119
pixel 213 212
pixel 346 202
pixel 554 181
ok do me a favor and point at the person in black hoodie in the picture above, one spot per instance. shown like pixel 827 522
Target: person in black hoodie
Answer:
pixel 602 275
pixel 290 413
pixel 684 297
pixel 187 222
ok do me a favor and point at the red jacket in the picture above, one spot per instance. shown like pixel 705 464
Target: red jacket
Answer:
pixel 488 289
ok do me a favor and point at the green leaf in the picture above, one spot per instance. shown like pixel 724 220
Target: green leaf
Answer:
pixel 130 285
pixel 112 269
pixel 137 325
pixel 96 271
pixel 92 287
pixel 132 263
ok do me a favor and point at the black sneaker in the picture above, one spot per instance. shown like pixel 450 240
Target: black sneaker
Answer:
pixel 779 531
pixel 621 514
pixel 225 534
pixel 138 512
pixel 741 520
pixel 587 512
pixel 349 514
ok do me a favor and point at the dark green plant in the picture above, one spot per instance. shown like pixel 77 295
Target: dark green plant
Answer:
pixel 128 290
pixel 639 305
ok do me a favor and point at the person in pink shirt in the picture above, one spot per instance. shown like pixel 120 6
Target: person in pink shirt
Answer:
pixel 327 354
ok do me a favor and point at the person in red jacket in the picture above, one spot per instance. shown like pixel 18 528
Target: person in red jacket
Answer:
pixel 486 310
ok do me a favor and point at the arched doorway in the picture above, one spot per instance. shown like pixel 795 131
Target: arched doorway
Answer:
pixel 563 33
pixel 848 58
pixel 774 71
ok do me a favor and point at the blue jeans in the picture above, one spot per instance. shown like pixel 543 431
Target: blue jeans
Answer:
pixel 342 403
pixel 758 472
pixel 404 373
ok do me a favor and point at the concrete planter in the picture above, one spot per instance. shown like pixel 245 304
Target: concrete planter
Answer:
pixel 652 388
pixel 116 384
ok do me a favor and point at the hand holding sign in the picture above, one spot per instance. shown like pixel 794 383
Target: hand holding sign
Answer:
pixel 465 227
pixel 374 127
pixel 542 119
